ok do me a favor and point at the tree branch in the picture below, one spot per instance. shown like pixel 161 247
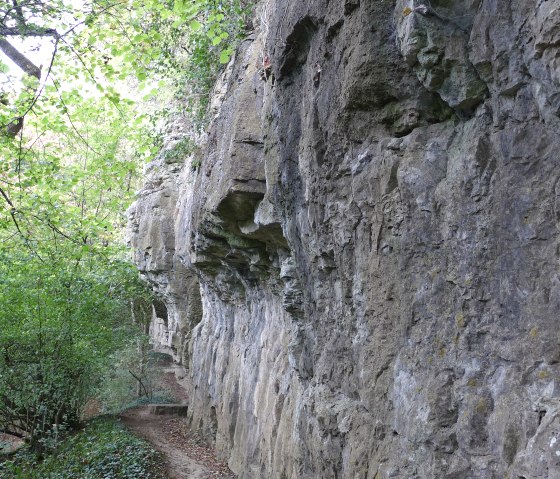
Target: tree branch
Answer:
pixel 19 13
pixel 28 67
pixel 15 126
pixel 19 58
pixel 7 198
pixel 140 383
pixel 12 210
pixel 28 31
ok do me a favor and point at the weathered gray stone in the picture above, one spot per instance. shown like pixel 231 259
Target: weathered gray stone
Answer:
pixel 152 238
pixel 371 244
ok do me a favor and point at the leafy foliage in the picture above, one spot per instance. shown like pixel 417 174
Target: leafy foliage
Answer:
pixel 73 138
pixel 69 186
pixel 80 119
pixel 134 380
pixel 65 285
pixel 57 330
pixel 104 449
pixel 202 37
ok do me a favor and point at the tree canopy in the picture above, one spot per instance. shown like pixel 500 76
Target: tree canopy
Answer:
pixel 78 85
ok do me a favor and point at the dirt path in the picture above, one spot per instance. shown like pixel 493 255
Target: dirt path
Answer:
pixel 186 456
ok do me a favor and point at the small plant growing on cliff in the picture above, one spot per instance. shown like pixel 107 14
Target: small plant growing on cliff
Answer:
pixel 196 164
pixel 194 39
pixel 181 150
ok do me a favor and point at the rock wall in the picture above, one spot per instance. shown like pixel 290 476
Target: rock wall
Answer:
pixel 362 275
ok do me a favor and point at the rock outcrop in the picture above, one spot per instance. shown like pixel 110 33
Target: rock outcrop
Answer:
pixel 360 270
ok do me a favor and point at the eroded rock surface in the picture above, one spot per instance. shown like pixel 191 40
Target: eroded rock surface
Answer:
pixel 362 275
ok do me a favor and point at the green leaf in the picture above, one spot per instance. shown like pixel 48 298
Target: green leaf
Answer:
pixel 4 68
pixel 225 56
pixel 195 25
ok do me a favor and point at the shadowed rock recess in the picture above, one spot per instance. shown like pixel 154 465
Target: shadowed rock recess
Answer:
pixel 359 265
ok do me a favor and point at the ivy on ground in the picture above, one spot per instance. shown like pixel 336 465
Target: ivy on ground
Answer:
pixel 103 450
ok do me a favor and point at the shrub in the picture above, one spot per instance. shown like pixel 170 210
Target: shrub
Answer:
pixel 104 449
pixel 57 331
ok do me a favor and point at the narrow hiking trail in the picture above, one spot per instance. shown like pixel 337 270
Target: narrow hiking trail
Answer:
pixel 186 456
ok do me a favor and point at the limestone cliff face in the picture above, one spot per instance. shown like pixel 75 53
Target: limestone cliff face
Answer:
pixel 362 276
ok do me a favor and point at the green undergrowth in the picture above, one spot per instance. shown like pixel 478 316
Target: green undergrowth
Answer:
pixel 102 450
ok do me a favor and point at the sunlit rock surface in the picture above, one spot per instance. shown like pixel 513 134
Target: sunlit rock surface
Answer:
pixel 361 277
